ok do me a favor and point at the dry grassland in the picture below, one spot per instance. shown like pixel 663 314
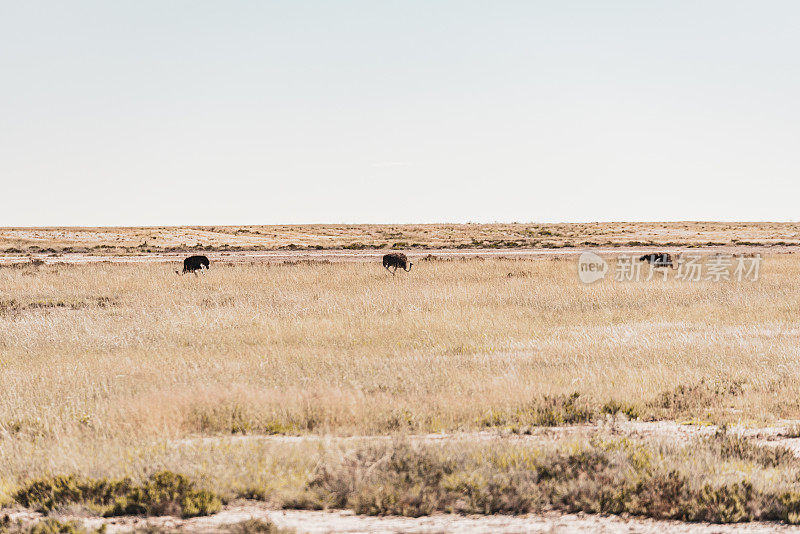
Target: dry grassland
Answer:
pixel 435 236
pixel 116 370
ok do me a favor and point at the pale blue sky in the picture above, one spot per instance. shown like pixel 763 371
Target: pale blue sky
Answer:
pixel 197 112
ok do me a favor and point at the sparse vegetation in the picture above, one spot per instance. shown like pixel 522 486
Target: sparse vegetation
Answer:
pixel 46 526
pixel 731 446
pixel 608 476
pixel 614 407
pixel 690 398
pixel 547 411
pixel 257 526
pixel 122 241
pixel 164 493
pixel 110 373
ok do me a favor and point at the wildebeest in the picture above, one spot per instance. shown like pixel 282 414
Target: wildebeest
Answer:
pixel 396 259
pixel 192 264
pixel 658 259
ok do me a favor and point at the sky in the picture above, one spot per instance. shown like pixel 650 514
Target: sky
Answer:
pixel 275 112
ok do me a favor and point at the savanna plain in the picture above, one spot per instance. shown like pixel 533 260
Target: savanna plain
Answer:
pixel 466 386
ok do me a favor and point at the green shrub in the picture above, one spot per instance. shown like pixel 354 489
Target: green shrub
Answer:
pixel 48 493
pixel 164 493
pixel 46 526
pixel 790 507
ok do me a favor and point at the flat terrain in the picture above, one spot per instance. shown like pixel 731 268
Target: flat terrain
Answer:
pixel 325 522
pixel 125 241
pixel 374 255
pixel 308 384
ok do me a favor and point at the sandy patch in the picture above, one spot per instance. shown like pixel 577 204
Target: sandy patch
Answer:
pixel 319 522
pixel 773 435
pixel 279 256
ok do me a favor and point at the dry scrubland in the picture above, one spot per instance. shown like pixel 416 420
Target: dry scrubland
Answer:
pixel 126 370
pixel 123 241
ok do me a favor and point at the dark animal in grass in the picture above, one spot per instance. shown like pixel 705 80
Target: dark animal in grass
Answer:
pixel 396 259
pixel 659 259
pixel 192 264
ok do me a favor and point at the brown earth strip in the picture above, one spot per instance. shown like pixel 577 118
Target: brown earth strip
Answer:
pixel 357 256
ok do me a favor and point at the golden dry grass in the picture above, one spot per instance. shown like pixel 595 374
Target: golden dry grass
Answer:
pixel 106 368
pixel 527 235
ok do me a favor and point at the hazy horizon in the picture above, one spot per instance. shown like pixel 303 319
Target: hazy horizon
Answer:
pixel 355 112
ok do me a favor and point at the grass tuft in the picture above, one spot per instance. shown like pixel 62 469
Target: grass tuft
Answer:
pixel 46 526
pixel 257 526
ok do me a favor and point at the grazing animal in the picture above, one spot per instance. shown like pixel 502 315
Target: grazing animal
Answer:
pixel 192 264
pixel 396 259
pixel 659 259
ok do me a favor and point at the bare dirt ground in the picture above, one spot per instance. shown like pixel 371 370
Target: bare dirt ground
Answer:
pixel 366 242
pixel 282 256
pixel 398 236
pixel 775 436
pixel 319 522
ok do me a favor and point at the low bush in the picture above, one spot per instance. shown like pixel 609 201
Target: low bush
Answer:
pixel 46 526
pixel 257 526
pixel 552 410
pixel 611 478
pixel 727 446
pixel 614 407
pixel 692 398
pixel 164 493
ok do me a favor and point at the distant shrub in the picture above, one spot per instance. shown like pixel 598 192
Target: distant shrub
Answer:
pixel 558 410
pixel 549 410
pixel 257 526
pixel 689 398
pixel 237 418
pixel 731 446
pixel 613 407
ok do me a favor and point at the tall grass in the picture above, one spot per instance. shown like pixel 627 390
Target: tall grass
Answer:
pixel 104 366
